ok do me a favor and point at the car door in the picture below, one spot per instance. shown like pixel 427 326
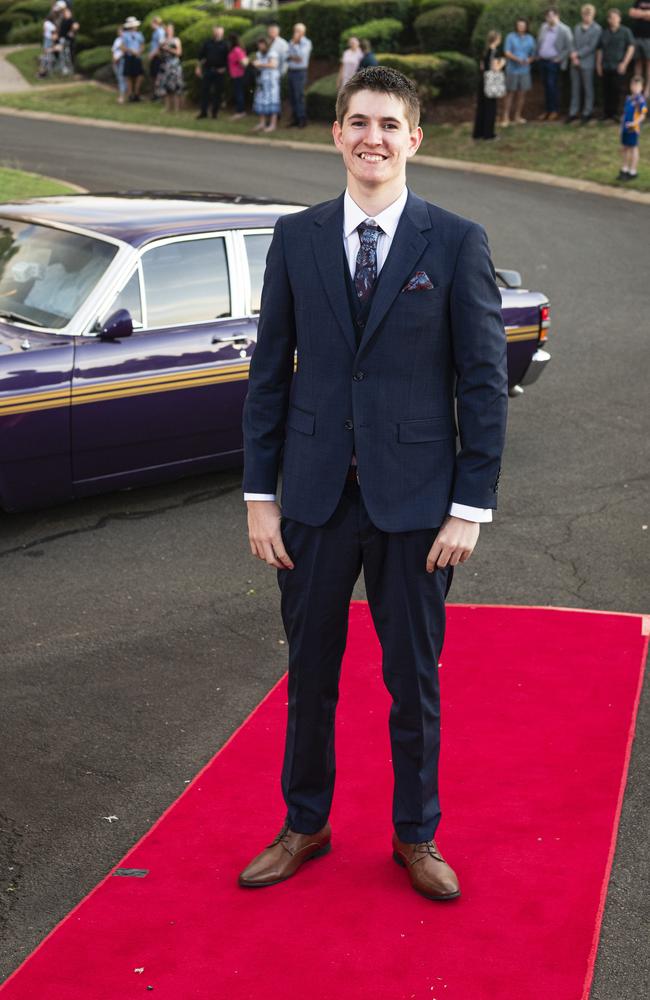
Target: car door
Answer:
pixel 171 394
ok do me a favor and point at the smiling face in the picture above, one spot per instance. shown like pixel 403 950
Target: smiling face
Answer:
pixel 376 140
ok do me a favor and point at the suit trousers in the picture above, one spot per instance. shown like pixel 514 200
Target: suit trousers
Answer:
pixel 582 83
pixel 407 605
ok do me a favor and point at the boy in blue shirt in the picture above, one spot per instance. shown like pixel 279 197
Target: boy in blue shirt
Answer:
pixel 633 115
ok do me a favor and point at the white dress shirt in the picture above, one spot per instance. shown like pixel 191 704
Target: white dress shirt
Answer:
pixel 387 220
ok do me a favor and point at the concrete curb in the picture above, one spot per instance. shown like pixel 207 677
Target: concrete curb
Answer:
pixel 509 173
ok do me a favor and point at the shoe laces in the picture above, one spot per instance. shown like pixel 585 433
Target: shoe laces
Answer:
pixel 283 837
pixel 427 847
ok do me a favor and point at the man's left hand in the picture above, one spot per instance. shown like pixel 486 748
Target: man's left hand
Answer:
pixel 453 544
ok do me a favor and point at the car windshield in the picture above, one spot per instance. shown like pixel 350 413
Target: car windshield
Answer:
pixel 46 274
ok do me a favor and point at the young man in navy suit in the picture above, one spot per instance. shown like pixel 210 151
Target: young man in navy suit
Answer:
pixel 392 307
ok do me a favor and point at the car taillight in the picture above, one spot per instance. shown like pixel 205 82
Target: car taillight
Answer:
pixel 544 322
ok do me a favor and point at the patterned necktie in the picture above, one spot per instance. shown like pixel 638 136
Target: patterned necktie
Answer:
pixel 365 273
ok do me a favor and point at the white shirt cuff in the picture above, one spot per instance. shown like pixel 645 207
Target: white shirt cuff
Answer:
pixel 481 514
pixel 259 496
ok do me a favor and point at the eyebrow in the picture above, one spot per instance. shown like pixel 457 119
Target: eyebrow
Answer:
pixel 387 118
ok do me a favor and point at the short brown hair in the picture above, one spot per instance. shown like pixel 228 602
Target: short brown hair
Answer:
pixel 383 80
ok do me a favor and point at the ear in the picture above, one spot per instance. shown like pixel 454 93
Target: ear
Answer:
pixel 415 138
pixel 337 134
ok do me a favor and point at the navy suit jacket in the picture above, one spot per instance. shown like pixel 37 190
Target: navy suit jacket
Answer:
pixel 422 401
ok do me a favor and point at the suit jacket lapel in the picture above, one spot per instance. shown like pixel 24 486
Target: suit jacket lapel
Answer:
pixel 406 249
pixel 327 241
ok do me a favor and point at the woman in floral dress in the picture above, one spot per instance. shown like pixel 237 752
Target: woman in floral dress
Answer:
pixel 266 100
pixel 169 82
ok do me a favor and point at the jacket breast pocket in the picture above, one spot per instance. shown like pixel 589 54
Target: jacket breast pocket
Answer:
pixel 425 429
pixel 300 420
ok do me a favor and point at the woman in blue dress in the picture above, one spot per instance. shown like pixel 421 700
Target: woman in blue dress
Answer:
pixel 266 100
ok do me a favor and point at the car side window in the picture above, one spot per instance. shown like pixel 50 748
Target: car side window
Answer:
pixel 257 247
pixel 129 298
pixel 186 281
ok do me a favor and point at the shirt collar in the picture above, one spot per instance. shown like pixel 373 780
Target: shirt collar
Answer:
pixel 353 216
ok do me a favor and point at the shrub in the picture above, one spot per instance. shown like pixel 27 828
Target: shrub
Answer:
pixel 459 75
pixel 25 34
pixel 443 28
pixel 93 14
pixel 192 82
pixel 424 70
pixel 32 8
pixel 83 42
pixel 90 60
pixel 383 33
pixel 326 19
pixel 474 8
pixel 105 35
pixel 251 36
pixel 194 36
pixel 181 15
pixel 321 99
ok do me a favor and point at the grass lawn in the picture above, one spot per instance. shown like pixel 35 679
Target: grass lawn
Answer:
pixel 590 153
pixel 26 62
pixel 17 184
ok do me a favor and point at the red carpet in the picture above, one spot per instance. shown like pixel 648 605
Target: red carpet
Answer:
pixel 539 708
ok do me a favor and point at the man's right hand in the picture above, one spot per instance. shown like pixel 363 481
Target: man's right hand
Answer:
pixel 264 533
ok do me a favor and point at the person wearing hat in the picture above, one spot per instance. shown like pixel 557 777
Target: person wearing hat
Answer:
pixel 133 45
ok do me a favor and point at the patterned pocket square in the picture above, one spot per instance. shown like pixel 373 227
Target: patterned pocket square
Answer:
pixel 420 282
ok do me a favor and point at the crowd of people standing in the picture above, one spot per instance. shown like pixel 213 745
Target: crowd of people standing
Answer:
pixel 586 52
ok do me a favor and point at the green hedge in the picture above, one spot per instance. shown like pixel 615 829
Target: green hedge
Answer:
pixel 105 35
pixel 321 99
pixel 459 75
pixel 426 71
pixel 327 19
pixel 181 15
pixel 93 14
pixel 383 33
pixel 197 33
pixel 251 36
pixel 90 60
pixel 474 8
pixel 32 8
pixel 25 34
pixel 192 81
pixel 444 27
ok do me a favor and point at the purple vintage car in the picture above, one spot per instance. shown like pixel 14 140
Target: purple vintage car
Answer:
pixel 127 323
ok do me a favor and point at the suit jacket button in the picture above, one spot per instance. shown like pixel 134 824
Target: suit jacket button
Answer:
pixel 348 425
pixel 359 376
pixel 360 324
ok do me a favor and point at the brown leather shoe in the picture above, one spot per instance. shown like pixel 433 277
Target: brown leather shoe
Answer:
pixel 428 871
pixel 284 856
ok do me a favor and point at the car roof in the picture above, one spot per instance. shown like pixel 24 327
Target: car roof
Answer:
pixel 136 217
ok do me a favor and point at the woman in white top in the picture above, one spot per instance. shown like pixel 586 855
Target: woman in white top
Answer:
pixel 117 51
pixel 350 60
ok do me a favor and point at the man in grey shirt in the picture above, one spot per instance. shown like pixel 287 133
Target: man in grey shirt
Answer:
pixel 298 62
pixel 586 39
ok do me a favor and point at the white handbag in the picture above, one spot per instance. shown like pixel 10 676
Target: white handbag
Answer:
pixel 494 83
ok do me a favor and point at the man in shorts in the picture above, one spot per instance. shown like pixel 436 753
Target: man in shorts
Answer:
pixel 520 53
pixel 133 44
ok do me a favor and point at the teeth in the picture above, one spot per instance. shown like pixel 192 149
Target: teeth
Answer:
pixel 373 158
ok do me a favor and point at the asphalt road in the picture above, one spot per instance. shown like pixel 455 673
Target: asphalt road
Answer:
pixel 137 632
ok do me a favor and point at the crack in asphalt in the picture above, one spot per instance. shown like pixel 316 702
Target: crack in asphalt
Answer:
pixel 140 515
pixel 568 538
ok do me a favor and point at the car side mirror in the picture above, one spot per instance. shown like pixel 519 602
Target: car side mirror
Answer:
pixel 511 279
pixel 118 325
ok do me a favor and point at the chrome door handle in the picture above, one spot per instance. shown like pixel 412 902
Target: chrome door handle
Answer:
pixel 241 341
